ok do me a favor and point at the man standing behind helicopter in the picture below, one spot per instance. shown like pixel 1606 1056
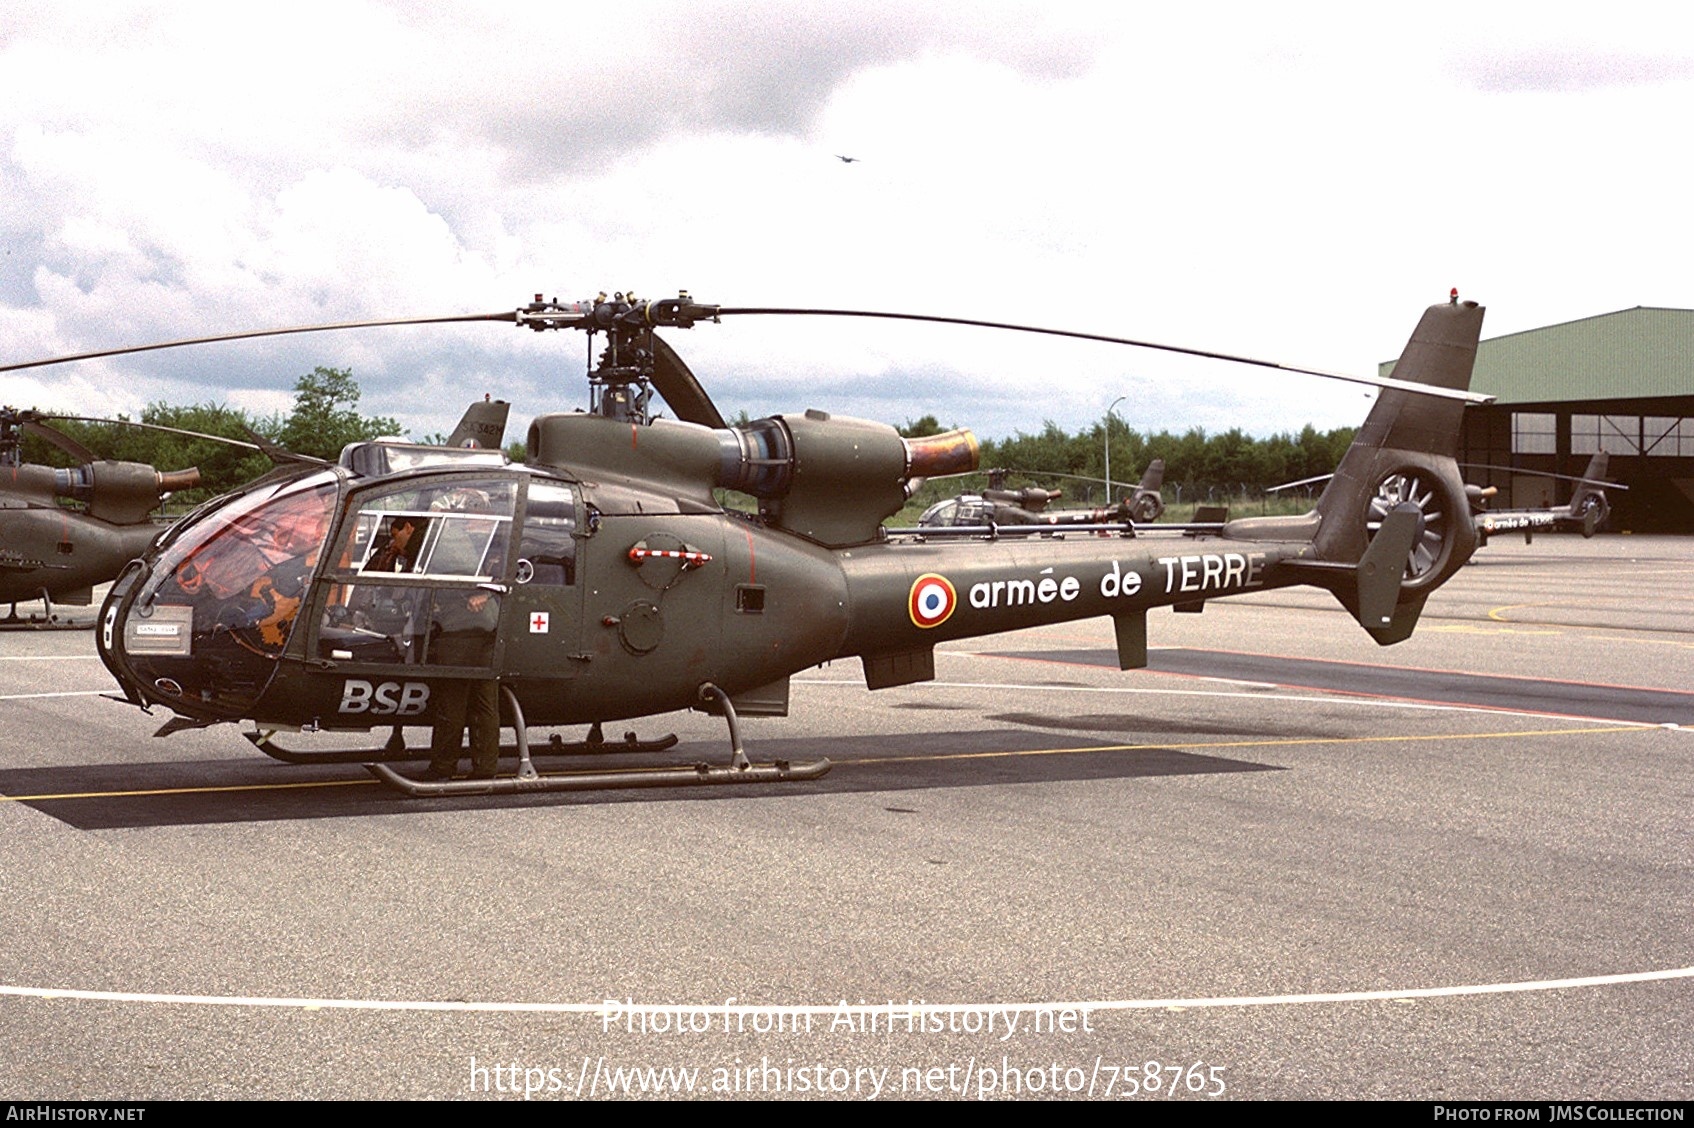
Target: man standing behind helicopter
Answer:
pixel 461 633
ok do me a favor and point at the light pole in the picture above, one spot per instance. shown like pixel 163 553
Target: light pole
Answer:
pixel 1109 411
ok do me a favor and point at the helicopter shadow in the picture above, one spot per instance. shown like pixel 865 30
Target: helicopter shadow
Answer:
pixel 177 793
pixel 1592 699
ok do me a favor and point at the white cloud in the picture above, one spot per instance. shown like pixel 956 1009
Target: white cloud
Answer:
pixel 1293 183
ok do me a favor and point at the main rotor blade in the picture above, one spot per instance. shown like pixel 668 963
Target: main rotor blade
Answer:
pixel 1302 482
pixel 59 439
pixel 507 315
pixel 1374 381
pixel 681 390
pixel 1601 482
pixel 1056 474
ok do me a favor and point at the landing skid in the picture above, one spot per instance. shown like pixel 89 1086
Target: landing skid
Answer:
pixel 396 751
pixel 48 621
pixel 738 770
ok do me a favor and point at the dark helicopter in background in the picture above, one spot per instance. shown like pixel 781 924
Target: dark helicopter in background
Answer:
pixel 1586 511
pixel 998 505
pixel 613 583
pixel 58 554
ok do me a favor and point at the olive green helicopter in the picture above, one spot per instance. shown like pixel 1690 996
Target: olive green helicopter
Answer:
pixel 322 597
pixel 58 554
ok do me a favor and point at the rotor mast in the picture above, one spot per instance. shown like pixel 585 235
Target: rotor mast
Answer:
pixel 620 380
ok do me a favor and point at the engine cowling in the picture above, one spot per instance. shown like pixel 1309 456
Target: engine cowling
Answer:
pixel 830 478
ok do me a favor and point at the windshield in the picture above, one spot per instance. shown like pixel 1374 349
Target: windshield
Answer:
pixel 223 596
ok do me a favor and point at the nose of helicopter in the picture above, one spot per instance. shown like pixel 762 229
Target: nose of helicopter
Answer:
pixel 200 623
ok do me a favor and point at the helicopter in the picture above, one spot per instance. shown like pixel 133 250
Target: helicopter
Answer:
pixel 1586 511
pixel 998 505
pixel 55 554
pixel 623 587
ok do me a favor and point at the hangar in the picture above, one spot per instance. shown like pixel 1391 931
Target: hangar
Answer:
pixel 1620 382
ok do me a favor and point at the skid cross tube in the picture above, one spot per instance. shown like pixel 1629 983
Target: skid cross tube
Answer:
pixel 739 770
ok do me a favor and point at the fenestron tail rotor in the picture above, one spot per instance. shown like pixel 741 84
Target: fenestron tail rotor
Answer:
pixel 1422 491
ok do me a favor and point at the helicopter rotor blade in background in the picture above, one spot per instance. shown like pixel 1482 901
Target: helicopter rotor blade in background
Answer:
pixel 507 315
pixel 1600 482
pixel 161 427
pixel 59 439
pixel 1374 381
pixel 1312 481
pixel 674 381
pixel 279 454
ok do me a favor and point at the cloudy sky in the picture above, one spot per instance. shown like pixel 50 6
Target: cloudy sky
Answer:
pixel 1287 181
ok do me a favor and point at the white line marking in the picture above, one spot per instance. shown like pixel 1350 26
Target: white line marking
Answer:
pixel 731 1008
pixel 62 693
pixel 49 657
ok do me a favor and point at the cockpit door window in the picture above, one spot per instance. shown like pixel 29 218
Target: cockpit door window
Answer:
pixel 419 574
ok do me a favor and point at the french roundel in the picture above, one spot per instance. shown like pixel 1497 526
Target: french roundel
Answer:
pixel 932 600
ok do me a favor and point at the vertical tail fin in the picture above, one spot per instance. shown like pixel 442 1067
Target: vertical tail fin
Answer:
pixel 1404 456
pixel 483 425
pixel 1588 502
pixel 1147 503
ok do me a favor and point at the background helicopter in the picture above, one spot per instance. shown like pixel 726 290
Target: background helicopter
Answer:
pixel 622 587
pixel 998 505
pixel 1586 511
pixel 57 554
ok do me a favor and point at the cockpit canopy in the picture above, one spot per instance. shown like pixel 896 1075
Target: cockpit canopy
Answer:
pixel 967 510
pixel 405 570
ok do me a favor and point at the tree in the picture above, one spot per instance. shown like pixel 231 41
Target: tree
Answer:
pixel 326 418
pixel 920 428
pixel 223 467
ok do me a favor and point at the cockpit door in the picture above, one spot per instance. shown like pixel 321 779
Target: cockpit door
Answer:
pixel 417 577
pixel 542 625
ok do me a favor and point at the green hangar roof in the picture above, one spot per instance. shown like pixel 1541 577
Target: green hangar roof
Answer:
pixel 1631 354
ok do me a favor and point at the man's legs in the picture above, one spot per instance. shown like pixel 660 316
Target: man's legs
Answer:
pixel 447 737
pixel 482 712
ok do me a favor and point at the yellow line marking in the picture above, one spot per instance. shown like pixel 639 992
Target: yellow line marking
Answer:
pixel 1643 641
pixel 1528 627
pixel 202 790
pixel 1468 628
pixel 1496 613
